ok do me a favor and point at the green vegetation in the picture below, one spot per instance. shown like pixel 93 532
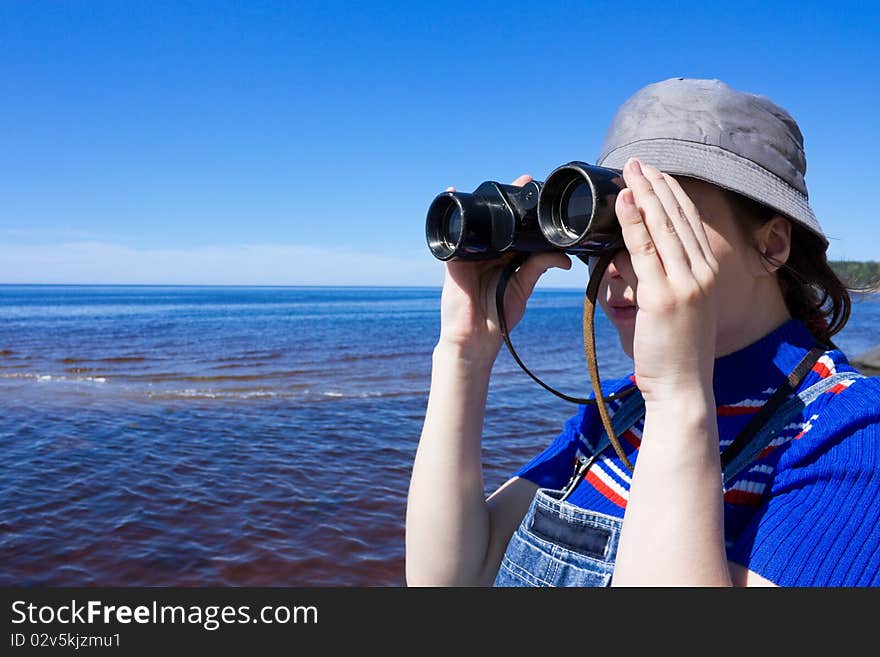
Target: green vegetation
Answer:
pixel 858 274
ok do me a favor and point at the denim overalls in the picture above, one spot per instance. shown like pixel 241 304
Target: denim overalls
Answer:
pixel 560 544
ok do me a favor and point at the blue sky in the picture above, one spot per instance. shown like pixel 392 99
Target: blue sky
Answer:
pixel 301 143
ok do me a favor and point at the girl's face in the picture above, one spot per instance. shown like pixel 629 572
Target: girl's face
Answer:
pixel 739 284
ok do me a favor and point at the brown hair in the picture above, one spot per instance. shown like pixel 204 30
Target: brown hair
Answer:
pixel 813 292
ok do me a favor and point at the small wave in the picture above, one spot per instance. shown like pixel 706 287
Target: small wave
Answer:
pixel 113 359
pixel 367 395
pixel 4 353
pixel 262 353
pixel 53 377
pixel 163 377
pixel 252 355
pixel 190 393
pixel 86 379
pixel 350 358
pixel 122 359
pixel 213 379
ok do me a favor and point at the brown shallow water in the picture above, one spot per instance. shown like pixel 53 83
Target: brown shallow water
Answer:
pixel 208 494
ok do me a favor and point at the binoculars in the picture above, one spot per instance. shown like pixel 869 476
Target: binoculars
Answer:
pixel 571 211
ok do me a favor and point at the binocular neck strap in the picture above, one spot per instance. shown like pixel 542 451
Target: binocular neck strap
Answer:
pixel 589 344
pixel 590 350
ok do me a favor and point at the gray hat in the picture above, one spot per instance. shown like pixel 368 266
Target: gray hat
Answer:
pixel 705 129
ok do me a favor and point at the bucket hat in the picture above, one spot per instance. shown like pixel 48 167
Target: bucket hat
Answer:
pixel 705 129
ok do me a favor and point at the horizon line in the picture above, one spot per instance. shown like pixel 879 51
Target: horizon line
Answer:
pixel 246 285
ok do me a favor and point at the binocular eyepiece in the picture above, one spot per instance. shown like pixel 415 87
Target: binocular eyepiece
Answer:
pixel 571 211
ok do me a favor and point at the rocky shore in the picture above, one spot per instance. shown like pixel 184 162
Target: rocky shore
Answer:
pixel 868 363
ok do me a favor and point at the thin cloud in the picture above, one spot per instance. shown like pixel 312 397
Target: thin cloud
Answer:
pixel 252 264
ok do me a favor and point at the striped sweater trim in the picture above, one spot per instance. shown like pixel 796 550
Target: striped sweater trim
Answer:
pixel 748 488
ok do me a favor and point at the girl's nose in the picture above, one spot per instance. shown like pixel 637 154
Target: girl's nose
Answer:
pixel 613 270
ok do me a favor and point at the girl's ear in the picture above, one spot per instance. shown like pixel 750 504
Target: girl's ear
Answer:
pixel 773 240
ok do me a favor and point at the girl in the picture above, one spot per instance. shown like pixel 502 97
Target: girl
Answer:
pixel 722 297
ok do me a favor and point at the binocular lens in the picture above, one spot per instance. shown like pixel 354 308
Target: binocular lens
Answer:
pixel 452 227
pixel 576 208
pixel 577 201
pixel 446 230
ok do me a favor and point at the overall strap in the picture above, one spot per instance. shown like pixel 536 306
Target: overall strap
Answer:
pixel 780 418
pixel 769 408
pixel 633 409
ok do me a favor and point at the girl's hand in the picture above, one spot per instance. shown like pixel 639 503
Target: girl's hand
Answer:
pixel 675 327
pixel 468 319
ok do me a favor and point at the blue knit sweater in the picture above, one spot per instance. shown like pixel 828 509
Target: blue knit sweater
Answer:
pixel 807 511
